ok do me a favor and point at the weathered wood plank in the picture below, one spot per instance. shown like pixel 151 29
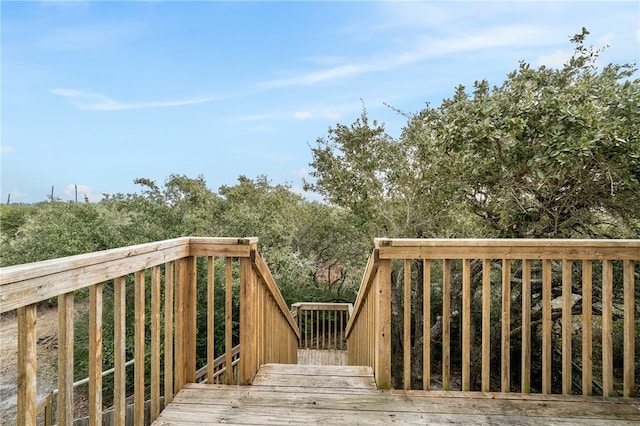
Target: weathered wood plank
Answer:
pixel 139 347
pixel 466 324
pixel 215 404
pixel 155 341
pixel 27 364
pixel 629 341
pixel 607 328
pixel 169 274
pixel 322 357
pixel 587 327
pixel 22 285
pixel 486 325
pixel 228 316
pixel 426 332
pixel 546 326
pixel 406 327
pixel 263 271
pixel 211 298
pixel 526 326
pixel 567 331
pixel 119 350
pixel 446 324
pixel 95 355
pixel 248 323
pixel 505 356
pixel 316 370
pixel 66 311
pixel 380 326
pixel 507 249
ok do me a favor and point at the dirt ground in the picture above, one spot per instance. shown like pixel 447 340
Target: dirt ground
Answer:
pixel 47 380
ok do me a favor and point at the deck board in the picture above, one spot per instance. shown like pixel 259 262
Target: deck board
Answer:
pixel 293 394
pixel 322 357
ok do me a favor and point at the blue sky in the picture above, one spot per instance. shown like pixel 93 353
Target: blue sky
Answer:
pixel 99 93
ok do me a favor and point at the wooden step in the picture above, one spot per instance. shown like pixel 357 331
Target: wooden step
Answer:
pixel 315 376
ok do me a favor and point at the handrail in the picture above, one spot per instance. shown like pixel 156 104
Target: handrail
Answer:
pixel 148 274
pixel 367 280
pixel 552 279
pixel 322 324
pixel 30 283
pixel 271 334
pixel 263 271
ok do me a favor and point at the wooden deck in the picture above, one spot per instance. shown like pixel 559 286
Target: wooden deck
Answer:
pixel 322 357
pixel 343 395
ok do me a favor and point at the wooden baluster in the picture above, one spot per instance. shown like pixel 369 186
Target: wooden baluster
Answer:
pixel 155 342
pixel 228 318
pixel 407 325
pixel 139 347
pixel 119 350
pixel 526 326
pixel 486 325
pixel 466 324
pixel 546 326
pixel 210 318
pixel 66 312
pixel 629 343
pixel 169 271
pixel 381 326
pixel 248 322
pixel 323 320
pixel 607 328
pixel 27 365
pixel 95 355
pixel 426 344
pixel 587 327
pixel 505 370
pixel 446 325
pixel 567 376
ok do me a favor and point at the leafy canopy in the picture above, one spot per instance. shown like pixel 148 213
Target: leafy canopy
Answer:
pixel 549 153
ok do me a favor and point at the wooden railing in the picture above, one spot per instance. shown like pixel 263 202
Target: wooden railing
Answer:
pixel 561 297
pixel 322 325
pixel 168 271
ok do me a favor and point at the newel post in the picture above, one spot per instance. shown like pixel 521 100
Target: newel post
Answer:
pixel 248 321
pixel 185 323
pixel 382 368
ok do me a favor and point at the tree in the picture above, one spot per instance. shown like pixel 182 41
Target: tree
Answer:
pixel 549 153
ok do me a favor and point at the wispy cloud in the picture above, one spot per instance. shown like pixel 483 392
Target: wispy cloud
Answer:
pixel 84 192
pixel 4 149
pixel 424 48
pixel 325 113
pixel 90 101
pixel 557 59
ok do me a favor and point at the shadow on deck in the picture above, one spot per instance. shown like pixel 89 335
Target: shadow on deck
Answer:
pixel 347 395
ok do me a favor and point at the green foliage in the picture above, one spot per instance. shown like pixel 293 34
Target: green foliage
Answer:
pixel 549 153
pixel 13 216
pixel 58 229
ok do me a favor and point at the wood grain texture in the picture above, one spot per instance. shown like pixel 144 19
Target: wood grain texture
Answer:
pixel 27 364
pixel 347 396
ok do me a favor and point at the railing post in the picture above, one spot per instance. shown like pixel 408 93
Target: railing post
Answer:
pixel 248 322
pixel 382 346
pixel 185 338
pixel 27 365
pixel 65 358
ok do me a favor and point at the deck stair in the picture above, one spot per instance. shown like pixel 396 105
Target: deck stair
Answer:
pixel 347 395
